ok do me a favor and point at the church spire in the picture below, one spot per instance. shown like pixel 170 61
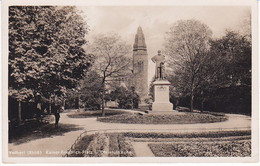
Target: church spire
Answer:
pixel 139 40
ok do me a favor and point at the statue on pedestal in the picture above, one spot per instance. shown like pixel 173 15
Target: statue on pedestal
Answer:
pixel 161 104
pixel 159 61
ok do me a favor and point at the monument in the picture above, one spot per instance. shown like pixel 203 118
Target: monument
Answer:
pixel 140 66
pixel 161 86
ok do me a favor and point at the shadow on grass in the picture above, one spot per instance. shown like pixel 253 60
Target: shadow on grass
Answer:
pixel 43 132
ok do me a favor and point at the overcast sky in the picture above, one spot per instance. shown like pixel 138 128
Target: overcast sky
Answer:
pixel 156 20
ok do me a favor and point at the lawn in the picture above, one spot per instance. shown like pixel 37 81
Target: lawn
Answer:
pixel 95 113
pixel 187 118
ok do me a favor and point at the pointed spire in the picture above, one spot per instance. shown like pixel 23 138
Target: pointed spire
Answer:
pixel 139 40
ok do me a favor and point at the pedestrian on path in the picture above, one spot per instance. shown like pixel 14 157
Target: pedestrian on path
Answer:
pixel 57 118
pixel 56 110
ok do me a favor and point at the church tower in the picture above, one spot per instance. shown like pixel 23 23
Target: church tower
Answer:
pixel 140 66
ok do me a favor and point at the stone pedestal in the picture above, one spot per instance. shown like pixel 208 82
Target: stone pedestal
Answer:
pixel 161 104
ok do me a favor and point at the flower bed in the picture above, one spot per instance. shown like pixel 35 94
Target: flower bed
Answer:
pixel 97 145
pixel 81 146
pixel 188 118
pixel 97 113
pixel 202 149
pixel 212 134
pixel 201 144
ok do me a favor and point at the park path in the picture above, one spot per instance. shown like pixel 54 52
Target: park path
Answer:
pixel 142 149
pixel 57 145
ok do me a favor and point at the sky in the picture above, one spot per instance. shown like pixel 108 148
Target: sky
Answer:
pixel 157 20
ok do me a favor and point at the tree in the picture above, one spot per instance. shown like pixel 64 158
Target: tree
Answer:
pixel 112 60
pixel 45 50
pixel 229 70
pixel 245 26
pixel 90 91
pixel 187 44
pixel 126 98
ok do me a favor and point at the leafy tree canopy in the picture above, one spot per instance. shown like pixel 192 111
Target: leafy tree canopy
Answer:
pixel 45 50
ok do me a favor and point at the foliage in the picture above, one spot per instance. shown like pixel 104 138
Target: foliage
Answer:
pixel 45 50
pixel 111 60
pixel 125 98
pixel 187 43
pixel 90 91
pixel 226 77
pixel 211 74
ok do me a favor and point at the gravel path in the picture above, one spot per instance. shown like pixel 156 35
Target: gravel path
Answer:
pixel 142 149
pixel 57 145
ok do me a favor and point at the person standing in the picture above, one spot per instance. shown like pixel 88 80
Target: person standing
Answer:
pixel 57 118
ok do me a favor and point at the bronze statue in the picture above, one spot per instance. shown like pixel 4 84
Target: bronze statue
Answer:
pixel 159 61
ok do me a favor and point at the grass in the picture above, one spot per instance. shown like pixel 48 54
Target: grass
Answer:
pixel 96 113
pixel 187 118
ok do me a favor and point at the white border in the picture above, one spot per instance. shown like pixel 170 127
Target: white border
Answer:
pixel 255 81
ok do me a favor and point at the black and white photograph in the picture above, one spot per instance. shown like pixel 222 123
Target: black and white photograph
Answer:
pixel 130 81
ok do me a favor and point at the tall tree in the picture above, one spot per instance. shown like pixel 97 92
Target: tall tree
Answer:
pixel 187 44
pixel 112 60
pixel 45 50
pixel 90 91
pixel 233 51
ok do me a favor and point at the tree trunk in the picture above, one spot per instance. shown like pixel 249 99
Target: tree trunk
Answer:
pixel 19 112
pixel 77 102
pixel 191 98
pixel 191 102
pixel 50 105
pixel 215 105
pixel 202 105
pixel 103 100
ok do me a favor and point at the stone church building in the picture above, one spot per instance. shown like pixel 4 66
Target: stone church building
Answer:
pixel 140 66
pixel 138 77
